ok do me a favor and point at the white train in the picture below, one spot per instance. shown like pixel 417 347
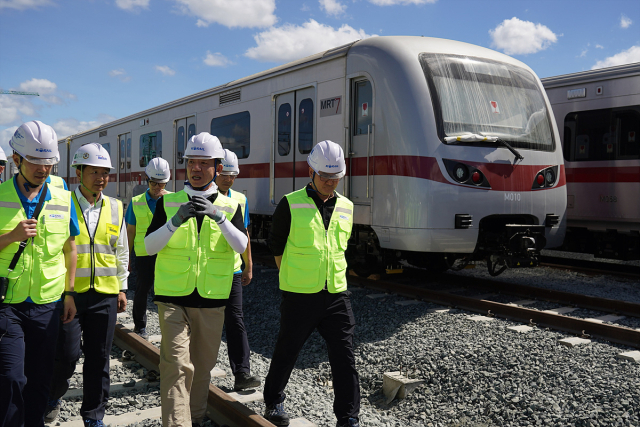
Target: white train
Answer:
pixel 405 110
pixel 599 112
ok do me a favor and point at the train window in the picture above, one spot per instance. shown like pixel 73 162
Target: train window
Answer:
pixel 129 151
pixel 180 143
pixel 150 147
pixel 284 129
pixel 107 146
pixel 234 132
pixel 486 97
pixel 122 151
pixel 362 108
pixel 605 134
pixel 305 126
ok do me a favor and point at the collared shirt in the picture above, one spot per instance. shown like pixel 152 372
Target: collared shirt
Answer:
pixel 130 217
pixel 91 215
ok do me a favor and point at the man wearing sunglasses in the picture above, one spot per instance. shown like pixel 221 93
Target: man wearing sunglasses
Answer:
pixel 309 235
pixel 138 218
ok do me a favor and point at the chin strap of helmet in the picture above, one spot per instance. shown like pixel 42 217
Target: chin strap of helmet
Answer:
pixel 85 187
pixel 313 184
pixel 28 184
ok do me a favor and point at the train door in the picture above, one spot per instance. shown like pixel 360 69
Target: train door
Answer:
pixel 362 143
pixel 125 186
pixel 185 129
pixel 294 139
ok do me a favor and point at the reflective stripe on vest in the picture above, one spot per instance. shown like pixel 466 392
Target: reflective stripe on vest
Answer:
pixel 56 181
pixel 193 260
pixel 242 201
pixel 97 263
pixel 40 272
pixel 314 256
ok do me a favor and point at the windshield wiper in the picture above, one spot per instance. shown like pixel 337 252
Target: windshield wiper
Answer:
pixel 472 137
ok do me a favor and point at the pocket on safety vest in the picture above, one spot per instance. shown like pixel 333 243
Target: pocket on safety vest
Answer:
pixel 217 242
pixel 56 236
pixel 340 273
pixel 219 278
pixel 172 274
pixel 180 237
pixel 303 270
pixel 52 280
pixel 344 231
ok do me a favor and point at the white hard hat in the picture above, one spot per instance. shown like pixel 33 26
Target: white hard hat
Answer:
pixel 230 163
pixel 158 170
pixel 204 146
pixel 36 143
pixel 92 154
pixel 2 155
pixel 327 160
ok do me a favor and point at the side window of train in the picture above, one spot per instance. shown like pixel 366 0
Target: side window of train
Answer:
pixel 305 126
pixel 234 132
pixel 284 129
pixel 362 107
pixel 107 146
pixel 180 140
pixel 606 134
pixel 150 147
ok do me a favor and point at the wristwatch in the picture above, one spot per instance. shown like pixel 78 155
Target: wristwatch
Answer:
pixel 72 293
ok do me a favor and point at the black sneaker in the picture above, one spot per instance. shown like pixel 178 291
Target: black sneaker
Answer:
pixel 52 411
pixel 142 332
pixel 276 414
pixel 352 422
pixel 93 423
pixel 245 380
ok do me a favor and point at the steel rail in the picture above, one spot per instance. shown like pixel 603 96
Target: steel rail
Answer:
pixel 572 325
pixel 568 298
pixel 222 408
pixel 591 267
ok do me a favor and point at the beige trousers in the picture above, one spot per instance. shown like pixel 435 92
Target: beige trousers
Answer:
pixel 188 352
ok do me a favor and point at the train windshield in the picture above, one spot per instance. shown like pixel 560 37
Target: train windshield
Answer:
pixel 484 97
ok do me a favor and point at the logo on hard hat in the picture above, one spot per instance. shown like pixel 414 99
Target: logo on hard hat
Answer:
pixel 159 174
pixel 197 148
pixel 43 150
pixel 331 166
pixel 100 157
pixel 85 155
pixel 228 166
pixel 18 135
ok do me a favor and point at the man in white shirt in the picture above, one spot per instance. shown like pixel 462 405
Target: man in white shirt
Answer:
pixel 101 284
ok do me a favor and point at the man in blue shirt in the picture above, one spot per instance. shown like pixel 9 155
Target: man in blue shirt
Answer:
pixel 237 342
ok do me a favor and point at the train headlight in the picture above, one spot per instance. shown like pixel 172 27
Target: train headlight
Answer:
pixel 460 172
pixel 550 177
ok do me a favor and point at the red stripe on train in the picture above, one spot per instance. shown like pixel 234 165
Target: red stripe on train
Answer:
pixel 603 175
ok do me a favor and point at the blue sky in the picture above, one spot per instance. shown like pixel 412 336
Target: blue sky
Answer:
pixel 93 61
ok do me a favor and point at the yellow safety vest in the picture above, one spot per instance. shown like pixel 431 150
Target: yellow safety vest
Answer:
pixel 193 260
pixel 314 256
pixel 242 201
pixel 40 272
pixel 97 263
pixel 143 221
pixel 56 181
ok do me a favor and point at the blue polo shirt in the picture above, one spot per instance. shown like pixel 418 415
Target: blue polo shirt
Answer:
pixel 130 217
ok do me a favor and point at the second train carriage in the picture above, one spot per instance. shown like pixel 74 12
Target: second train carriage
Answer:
pixel 452 150
pixel 599 114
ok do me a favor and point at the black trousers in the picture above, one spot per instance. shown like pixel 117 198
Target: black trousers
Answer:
pixel 145 275
pixel 332 316
pixel 92 330
pixel 28 335
pixel 237 342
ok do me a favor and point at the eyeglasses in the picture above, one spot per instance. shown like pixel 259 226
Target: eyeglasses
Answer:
pixel 231 177
pixel 157 184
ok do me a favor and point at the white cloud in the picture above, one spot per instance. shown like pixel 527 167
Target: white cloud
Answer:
pixel 121 74
pixel 625 22
pixel 66 127
pixel 584 53
pixel 5 136
pixel 516 37
pixel 291 42
pixel 333 7
pixel 403 2
pixel 236 13
pixel 628 56
pixel 599 46
pixel 14 108
pixel 132 5
pixel 165 70
pixel 216 60
pixel 24 4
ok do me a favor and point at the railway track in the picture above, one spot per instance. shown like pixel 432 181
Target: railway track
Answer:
pixel 591 266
